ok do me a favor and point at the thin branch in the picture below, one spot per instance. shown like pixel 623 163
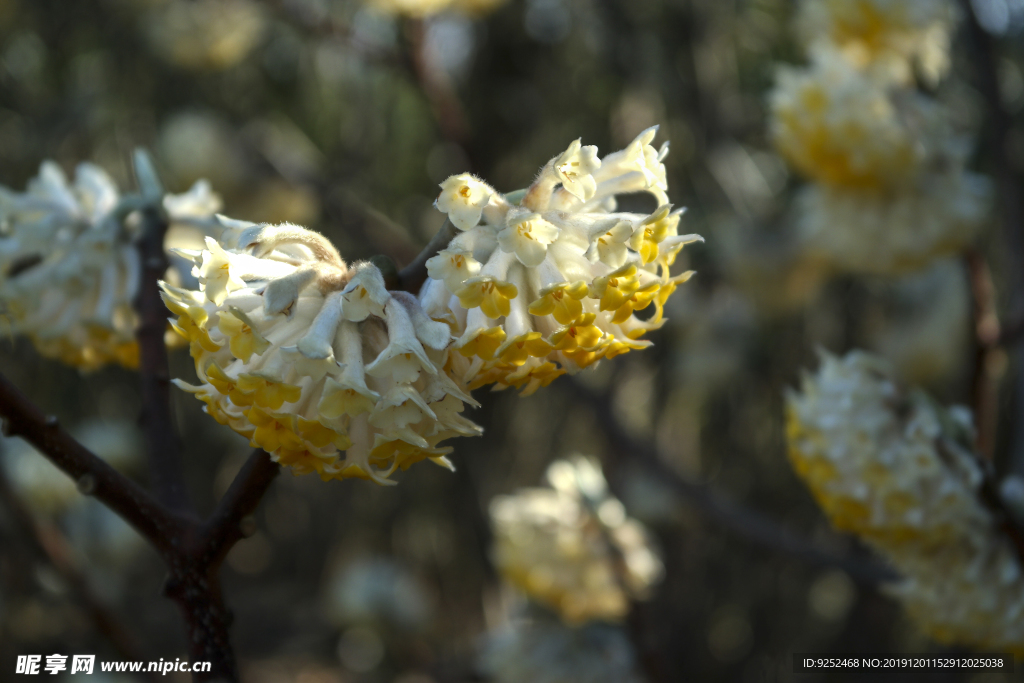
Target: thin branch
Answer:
pixel 987 354
pixel 751 525
pixel 50 545
pixel 435 85
pixel 163 446
pixel 94 476
pixel 225 526
pixel 412 277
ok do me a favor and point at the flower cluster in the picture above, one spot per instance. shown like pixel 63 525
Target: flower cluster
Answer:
pixel 205 34
pixel 547 280
pixel 428 8
pixel 571 547
pixel 897 470
pixel 311 358
pixel 887 37
pixel 890 190
pixel 69 269
pixel 538 647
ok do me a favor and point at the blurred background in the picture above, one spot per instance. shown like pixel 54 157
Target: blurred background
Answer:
pixel 344 116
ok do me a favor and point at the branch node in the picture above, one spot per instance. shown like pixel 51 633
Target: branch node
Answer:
pixel 247 526
pixel 86 484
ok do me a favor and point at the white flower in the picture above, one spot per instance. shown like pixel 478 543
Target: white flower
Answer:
pixel 321 366
pixel 528 235
pixel 463 198
pixel 574 169
pixel 454 266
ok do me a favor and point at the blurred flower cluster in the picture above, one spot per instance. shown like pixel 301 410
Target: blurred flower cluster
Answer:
pixel 890 190
pixel 548 280
pixel 69 267
pixel 897 470
pixel 573 552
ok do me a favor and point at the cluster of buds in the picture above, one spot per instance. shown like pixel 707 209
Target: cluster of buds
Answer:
pixel 69 268
pixel 890 191
pixel 547 280
pixel 897 470
pixel 314 360
pixel 571 547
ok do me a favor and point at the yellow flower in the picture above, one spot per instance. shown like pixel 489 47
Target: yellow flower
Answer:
pixel 561 300
pixel 617 288
pixel 491 295
pixel 244 341
pixel 516 351
pixel 482 342
pixel 653 231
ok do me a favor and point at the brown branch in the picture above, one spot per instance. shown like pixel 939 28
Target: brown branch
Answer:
pixel 50 545
pixel 163 447
pixel 749 524
pixel 94 476
pixel 225 526
pixel 435 85
pixel 988 356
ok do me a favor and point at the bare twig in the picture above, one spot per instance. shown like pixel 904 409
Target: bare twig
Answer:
pixel 163 447
pixel 436 86
pixel 94 476
pixel 988 355
pixel 225 526
pixel 1008 194
pixel 751 525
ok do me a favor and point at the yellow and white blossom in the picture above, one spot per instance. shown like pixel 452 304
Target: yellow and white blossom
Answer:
pixel 897 470
pixel 571 547
pixel 69 268
pixel 315 360
pixel 532 286
pixel 890 188
pixel 890 39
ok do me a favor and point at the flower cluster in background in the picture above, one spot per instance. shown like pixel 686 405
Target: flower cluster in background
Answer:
pixel 890 190
pixel 69 268
pixel 897 470
pixel 573 552
pixel 549 280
